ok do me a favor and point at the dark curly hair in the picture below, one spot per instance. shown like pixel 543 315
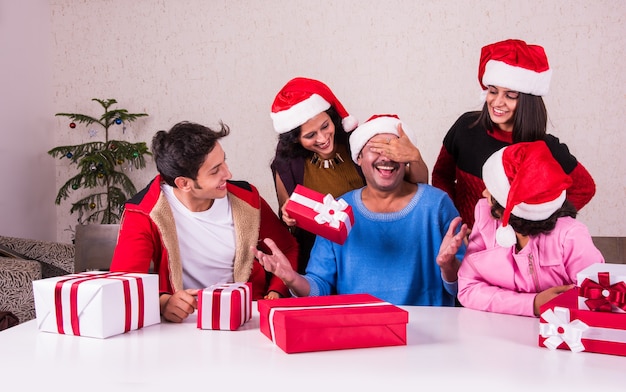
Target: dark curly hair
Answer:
pixel 289 142
pixel 529 120
pixel 531 228
pixel 181 151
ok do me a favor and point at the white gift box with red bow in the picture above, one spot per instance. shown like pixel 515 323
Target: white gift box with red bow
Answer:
pixel 96 304
pixel 224 306
pixel 602 288
pixel 321 214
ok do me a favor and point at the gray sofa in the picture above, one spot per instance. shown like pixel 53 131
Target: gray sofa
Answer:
pixel 21 262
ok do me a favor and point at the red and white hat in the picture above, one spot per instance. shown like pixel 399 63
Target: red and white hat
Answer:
pixel 527 180
pixel 515 65
pixel 378 123
pixel 302 99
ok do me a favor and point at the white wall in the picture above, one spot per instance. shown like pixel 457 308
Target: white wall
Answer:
pixel 207 61
pixel 26 128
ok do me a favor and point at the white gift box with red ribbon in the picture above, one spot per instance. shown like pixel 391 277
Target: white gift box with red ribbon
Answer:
pixel 224 306
pixel 96 304
pixel 321 214
pixel 602 288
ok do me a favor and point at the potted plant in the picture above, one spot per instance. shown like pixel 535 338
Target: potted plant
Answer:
pixel 101 166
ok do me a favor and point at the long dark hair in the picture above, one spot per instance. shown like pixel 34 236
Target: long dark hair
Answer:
pixel 530 228
pixel 289 142
pixel 530 119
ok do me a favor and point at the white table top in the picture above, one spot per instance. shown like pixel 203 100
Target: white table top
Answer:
pixel 448 348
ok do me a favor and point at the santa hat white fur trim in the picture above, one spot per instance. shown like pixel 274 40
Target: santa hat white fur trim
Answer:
pixel 498 73
pixel 498 185
pixel 371 128
pixel 298 114
pixel 505 235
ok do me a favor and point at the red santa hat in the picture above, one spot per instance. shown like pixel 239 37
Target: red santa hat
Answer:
pixel 515 65
pixel 378 123
pixel 527 180
pixel 302 99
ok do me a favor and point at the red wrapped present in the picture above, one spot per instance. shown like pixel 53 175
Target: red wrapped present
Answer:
pixel 332 322
pixel 562 325
pixel 96 304
pixel 321 215
pixel 224 306
pixel 602 288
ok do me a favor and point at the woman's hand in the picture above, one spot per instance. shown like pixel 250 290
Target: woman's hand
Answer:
pixel 402 150
pixel 289 221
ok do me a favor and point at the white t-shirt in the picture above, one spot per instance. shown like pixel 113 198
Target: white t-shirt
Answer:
pixel 206 240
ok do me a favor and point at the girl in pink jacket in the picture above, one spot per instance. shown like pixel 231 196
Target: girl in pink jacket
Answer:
pixel 526 246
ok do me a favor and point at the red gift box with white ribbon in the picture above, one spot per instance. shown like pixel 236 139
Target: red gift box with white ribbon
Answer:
pixel 321 214
pixel 332 322
pixel 224 306
pixel 602 288
pixel 563 326
pixel 96 304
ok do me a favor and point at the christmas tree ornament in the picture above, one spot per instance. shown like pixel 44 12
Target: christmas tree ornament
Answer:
pixel 74 186
pixel 92 205
pixel 72 125
pixel 118 121
pixel 69 155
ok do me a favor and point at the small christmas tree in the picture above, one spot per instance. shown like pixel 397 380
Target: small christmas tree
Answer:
pixel 100 166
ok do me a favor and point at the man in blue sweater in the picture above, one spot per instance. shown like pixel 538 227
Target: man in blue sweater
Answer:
pixel 404 247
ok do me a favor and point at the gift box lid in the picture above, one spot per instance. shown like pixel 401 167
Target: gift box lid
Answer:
pixel 617 272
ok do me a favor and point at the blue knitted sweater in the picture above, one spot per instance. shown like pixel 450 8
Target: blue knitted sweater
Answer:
pixel 389 255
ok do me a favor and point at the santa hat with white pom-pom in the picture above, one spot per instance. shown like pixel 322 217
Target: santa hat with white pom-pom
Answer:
pixel 302 99
pixel 527 180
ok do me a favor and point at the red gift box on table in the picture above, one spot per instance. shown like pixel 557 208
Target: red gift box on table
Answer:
pixel 96 304
pixel 224 306
pixel 332 322
pixel 602 288
pixel 321 215
pixel 562 325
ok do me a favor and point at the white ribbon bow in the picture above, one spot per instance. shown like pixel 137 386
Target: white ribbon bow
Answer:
pixel 331 211
pixel 559 329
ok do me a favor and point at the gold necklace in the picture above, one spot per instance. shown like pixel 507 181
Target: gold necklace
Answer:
pixel 326 163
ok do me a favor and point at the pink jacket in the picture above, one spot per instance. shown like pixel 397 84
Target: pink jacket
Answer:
pixel 496 279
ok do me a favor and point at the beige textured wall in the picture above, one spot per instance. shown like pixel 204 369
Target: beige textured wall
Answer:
pixel 207 61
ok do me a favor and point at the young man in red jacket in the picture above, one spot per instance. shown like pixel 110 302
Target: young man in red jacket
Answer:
pixel 195 226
